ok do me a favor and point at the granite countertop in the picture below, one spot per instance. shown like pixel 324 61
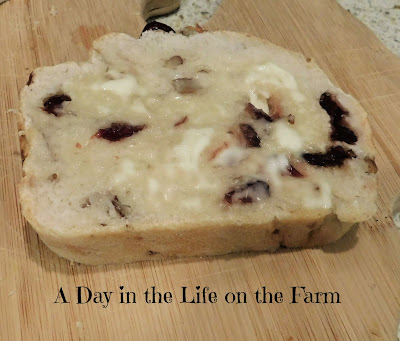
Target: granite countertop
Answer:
pixel 381 16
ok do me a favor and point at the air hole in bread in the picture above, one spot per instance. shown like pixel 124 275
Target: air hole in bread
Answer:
pixel 186 85
pixel 174 62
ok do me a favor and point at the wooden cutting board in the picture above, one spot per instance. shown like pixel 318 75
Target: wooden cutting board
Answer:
pixel 364 267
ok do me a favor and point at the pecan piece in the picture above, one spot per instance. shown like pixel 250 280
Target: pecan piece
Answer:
pixel 257 114
pixel 250 135
pixel 275 108
pixel 190 30
pixel 294 172
pixel 372 167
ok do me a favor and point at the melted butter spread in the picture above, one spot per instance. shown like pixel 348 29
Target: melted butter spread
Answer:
pixel 192 165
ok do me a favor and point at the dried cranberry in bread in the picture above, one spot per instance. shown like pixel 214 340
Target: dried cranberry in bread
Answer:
pixel 172 146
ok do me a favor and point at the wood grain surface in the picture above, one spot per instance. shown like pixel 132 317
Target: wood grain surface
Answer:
pixel 364 267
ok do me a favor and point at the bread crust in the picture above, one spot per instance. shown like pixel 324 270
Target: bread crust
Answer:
pixel 131 244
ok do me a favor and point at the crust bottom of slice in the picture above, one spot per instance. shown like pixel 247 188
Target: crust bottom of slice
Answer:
pixel 130 245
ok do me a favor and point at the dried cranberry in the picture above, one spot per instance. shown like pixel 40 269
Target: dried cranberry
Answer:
pixel 248 193
pixel 250 135
pixel 330 105
pixel 340 132
pixel 344 134
pixel 157 26
pixel 257 114
pixel 334 156
pixel 119 131
pixel 53 104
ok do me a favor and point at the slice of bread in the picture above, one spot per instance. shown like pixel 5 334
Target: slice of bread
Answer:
pixel 173 146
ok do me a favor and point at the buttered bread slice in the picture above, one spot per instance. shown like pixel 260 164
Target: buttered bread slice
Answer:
pixel 173 145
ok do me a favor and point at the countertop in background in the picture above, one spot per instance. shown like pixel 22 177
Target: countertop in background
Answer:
pixel 381 16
